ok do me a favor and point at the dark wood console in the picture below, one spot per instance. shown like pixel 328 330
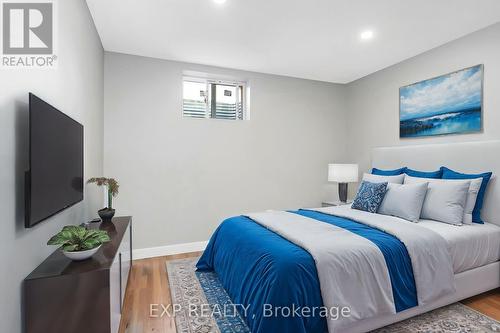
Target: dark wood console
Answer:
pixel 62 296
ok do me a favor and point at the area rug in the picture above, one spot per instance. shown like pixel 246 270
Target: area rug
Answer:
pixel 192 291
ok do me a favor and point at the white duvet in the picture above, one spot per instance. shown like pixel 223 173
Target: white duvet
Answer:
pixel 352 270
pixel 471 245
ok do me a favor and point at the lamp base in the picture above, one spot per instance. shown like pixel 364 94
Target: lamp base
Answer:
pixel 343 192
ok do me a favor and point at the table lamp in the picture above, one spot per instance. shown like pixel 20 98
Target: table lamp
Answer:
pixel 343 174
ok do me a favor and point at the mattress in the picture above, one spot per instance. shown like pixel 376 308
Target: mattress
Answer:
pixel 470 246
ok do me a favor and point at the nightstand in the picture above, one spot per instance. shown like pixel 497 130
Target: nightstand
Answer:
pixel 335 203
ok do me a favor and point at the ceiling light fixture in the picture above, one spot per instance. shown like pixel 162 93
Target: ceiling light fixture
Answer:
pixel 366 35
pixel 219 2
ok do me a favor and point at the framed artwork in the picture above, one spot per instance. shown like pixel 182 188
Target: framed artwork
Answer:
pixel 447 104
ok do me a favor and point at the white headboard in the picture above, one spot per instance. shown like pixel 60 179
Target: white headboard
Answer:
pixel 469 157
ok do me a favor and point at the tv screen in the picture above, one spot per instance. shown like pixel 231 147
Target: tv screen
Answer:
pixel 55 177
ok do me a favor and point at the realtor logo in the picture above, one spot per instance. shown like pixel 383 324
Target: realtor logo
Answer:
pixel 28 34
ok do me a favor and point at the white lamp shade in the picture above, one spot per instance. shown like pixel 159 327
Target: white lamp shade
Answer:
pixel 343 173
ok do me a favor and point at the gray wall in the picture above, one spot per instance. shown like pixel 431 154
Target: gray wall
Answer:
pixel 373 115
pixel 179 177
pixel 76 88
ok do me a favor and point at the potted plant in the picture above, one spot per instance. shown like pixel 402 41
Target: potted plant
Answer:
pixel 107 213
pixel 78 243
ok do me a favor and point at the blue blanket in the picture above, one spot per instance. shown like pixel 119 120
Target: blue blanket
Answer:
pixel 258 267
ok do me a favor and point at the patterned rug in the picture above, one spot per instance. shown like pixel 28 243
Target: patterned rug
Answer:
pixel 193 291
pixel 205 307
pixel 456 318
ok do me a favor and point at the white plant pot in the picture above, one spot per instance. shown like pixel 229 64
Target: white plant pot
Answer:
pixel 81 255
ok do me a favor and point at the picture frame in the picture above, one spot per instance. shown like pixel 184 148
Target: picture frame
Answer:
pixel 447 104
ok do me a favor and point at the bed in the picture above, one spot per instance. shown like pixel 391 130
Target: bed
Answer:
pixel 258 264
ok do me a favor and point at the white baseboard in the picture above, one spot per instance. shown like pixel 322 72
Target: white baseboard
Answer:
pixel 168 250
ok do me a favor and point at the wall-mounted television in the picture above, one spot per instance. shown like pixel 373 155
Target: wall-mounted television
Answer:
pixel 54 180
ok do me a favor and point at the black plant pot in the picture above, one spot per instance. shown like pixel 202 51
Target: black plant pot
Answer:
pixel 106 214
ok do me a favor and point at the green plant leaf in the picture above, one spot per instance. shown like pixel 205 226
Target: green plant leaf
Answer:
pixel 91 233
pixel 91 243
pixel 76 238
pixel 72 228
pixel 102 237
pixel 70 248
pixel 61 238
pixel 80 233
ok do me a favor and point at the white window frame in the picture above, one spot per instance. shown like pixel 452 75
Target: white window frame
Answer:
pixel 207 82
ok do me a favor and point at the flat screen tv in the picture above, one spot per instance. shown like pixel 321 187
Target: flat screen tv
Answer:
pixel 54 180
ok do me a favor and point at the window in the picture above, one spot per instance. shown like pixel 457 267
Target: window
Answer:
pixel 217 99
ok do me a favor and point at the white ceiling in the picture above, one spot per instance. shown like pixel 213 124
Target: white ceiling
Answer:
pixel 313 39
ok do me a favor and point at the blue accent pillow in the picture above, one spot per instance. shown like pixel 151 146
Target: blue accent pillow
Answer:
pixel 395 172
pixel 369 196
pixel 424 174
pixel 476 213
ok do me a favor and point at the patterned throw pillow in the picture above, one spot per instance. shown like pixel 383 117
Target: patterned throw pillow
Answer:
pixel 369 196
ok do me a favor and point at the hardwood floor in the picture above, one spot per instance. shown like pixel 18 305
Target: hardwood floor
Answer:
pixel 487 303
pixel 148 284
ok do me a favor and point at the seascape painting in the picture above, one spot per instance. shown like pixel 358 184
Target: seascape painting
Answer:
pixel 447 104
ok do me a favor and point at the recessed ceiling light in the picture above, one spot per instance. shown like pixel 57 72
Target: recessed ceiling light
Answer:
pixel 220 2
pixel 366 35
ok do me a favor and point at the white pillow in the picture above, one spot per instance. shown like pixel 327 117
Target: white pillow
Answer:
pixel 445 200
pixel 404 201
pixel 470 203
pixel 383 179
pixel 475 185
